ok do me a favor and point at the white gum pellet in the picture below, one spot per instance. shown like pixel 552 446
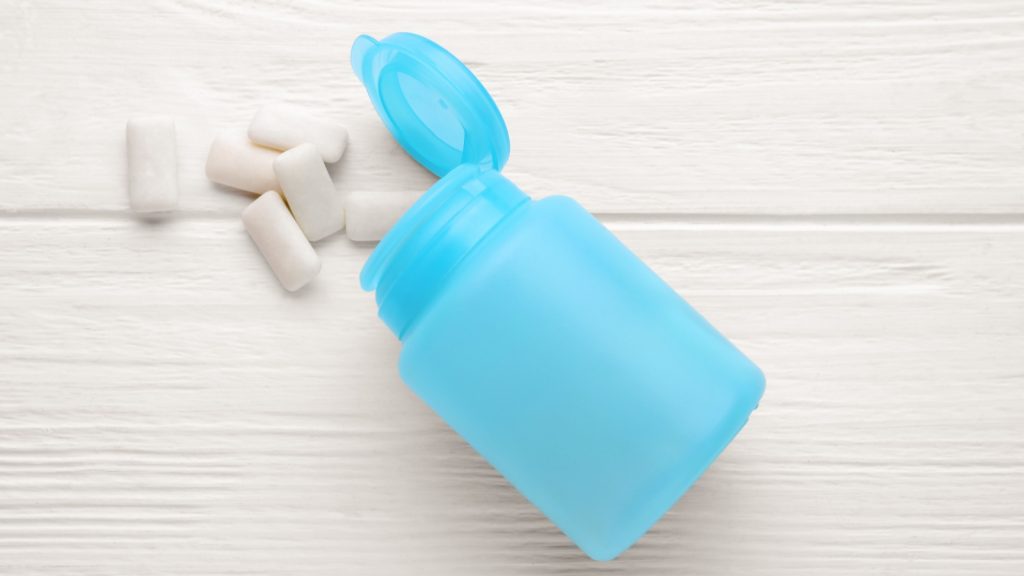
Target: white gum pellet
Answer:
pixel 236 162
pixel 284 127
pixel 281 241
pixel 316 205
pixel 369 215
pixel 152 164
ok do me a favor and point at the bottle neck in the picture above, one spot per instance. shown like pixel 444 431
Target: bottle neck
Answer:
pixel 409 266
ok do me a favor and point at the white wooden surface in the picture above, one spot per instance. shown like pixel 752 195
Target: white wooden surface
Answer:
pixel 839 186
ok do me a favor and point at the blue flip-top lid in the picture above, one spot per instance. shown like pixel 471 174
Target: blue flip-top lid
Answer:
pixel 432 104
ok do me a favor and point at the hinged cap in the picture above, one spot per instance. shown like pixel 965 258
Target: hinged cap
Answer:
pixel 432 104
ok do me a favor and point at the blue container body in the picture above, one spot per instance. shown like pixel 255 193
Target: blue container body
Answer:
pixel 579 374
pixel 565 361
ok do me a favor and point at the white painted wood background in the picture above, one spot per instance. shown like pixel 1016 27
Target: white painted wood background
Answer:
pixel 838 185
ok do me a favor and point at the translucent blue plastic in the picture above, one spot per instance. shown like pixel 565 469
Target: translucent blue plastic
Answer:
pixel 537 335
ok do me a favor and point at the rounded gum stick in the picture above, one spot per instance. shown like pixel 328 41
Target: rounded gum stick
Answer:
pixel 152 164
pixel 281 241
pixel 283 127
pixel 369 215
pixel 316 205
pixel 236 162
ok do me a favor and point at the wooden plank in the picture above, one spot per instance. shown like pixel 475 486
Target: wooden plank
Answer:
pixel 167 408
pixel 645 107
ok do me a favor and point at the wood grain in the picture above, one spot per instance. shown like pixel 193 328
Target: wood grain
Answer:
pixel 836 185
pixel 702 107
pixel 162 394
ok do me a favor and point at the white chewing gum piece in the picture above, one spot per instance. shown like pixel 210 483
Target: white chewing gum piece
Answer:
pixel 369 215
pixel 284 127
pixel 281 241
pixel 236 162
pixel 152 164
pixel 316 205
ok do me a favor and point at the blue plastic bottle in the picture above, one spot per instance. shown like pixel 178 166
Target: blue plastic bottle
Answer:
pixel 539 337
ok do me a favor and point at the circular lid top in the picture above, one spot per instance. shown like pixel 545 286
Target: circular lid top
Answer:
pixel 432 104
